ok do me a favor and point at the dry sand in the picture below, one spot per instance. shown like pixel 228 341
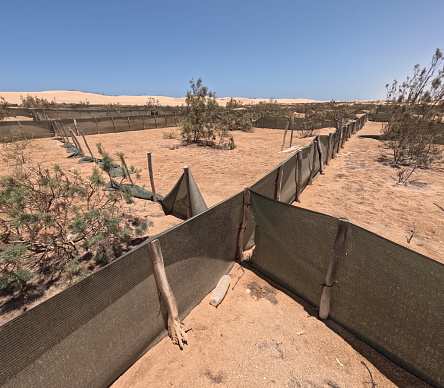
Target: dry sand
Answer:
pixel 73 97
pixel 260 336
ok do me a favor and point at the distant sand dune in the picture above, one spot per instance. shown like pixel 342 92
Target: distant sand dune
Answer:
pixel 76 97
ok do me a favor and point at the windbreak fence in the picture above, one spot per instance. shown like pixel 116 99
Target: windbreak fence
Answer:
pixel 385 294
pixel 44 128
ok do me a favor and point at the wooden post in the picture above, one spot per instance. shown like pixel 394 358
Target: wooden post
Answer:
pixel 143 121
pixel 243 225
pixel 75 126
pixel 277 192
pixel 97 125
pixel 186 171
pixel 313 161
pixel 129 123
pixel 114 124
pixel 150 170
pixel 285 134
pixel 338 253
pixel 329 149
pixel 155 121
pixel 76 142
pixel 87 146
pixel 166 122
pixel 176 329
pixel 292 130
pixel 298 176
pixel 127 171
pixel 320 153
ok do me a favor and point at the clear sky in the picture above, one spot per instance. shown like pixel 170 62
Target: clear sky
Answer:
pixel 318 49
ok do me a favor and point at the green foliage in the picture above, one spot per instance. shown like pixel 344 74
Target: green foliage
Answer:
pixel 36 102
pixel 4 112
pixel 414 109
pixel 58 217
pixel 11 282
pixel 13 253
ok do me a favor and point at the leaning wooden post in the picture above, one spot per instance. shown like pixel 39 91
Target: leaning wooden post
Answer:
pixel 278 189
pixel 186 171
pixel 285 134
pixel 126 169
pixel 75 126
pixel 87 146
pixel 150 170
pixel 114 124
pixel 76 142
pixel 298 176
pixel 330 279
pixel 321 154
pixel 243 225
pixel 176 329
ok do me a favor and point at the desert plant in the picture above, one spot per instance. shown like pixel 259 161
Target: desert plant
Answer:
pixel 414 109
pixel 4 112
pixel 36 102
pixel 50 218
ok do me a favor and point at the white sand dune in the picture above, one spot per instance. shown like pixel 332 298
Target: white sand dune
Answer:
pixel 65 96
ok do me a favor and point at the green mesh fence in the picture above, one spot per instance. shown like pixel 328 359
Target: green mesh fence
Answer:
pixel 87 335
pixel 393 298
pixel 25 129
pixel 389 296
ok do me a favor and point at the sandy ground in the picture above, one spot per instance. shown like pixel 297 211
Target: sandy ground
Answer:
pixel 72 97
pixel 260 336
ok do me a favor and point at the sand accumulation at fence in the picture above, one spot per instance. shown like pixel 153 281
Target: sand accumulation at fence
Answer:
pixel 259 336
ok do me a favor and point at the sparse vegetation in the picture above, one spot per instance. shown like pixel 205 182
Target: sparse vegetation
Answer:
pixel 4 112
pixel 36 102
pixel 56 224
pixel 415 108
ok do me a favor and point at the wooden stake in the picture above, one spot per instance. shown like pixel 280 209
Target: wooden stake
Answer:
pixel 21 129
pixel 186 171
pixel 129 123
pixel 330 279
pixel 298 176
pixel 243 225
pixel 87 146
pixel 321 155
pixel 155 121
pixel 75 126
pixel 292 131
pixel 166 122
pixel 176 329
pixel 76 142
pixel 329 148
pixel 150 170
pixel 277 193
pixel 127 171
pixel 285 134
pixel 114 124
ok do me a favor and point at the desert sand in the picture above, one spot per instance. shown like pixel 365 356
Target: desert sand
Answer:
pixel 73 97
pixel 260 335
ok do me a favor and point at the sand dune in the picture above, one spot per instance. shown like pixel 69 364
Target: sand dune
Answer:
pixel 65 96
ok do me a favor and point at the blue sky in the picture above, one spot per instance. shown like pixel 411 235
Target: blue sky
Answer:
pixel 318 49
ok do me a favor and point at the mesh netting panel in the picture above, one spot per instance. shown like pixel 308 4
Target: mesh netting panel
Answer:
pixel 324 147
pixel 176 201
pixel 313 159
pixel 288 188
pixel 199 251
pixel 267 185
pixel 88 127
pixel 305 165
pixel 393 297
pixel 137 123
pixel 293 246
pixel 35 129
pixel 121 124
pixel 87 335
pixel 105 125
